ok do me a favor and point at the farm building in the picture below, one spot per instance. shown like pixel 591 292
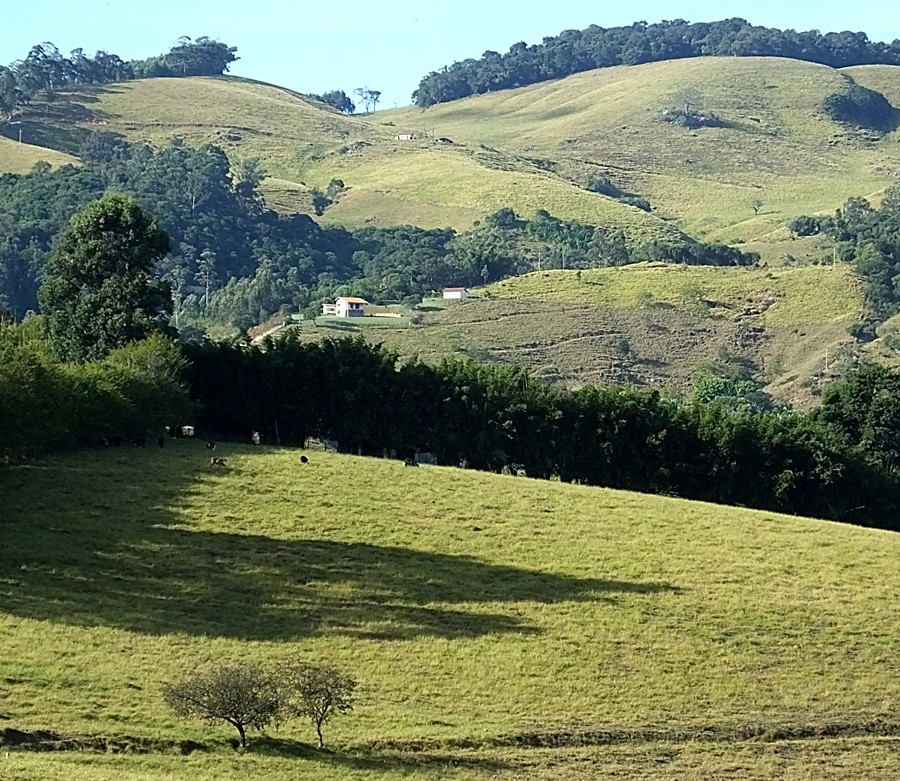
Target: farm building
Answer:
pixel 346 306
pixel 456 293
pixel 406 136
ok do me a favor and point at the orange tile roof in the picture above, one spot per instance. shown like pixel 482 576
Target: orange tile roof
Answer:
pixel 351 300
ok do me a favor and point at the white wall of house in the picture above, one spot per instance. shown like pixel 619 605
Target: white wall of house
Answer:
pixel 456 294
pixel 348 307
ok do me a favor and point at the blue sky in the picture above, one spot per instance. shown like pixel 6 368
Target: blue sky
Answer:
pixel 383 44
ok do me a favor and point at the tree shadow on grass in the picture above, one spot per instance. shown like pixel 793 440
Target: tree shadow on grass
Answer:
pixel 378 761
pixel 90 540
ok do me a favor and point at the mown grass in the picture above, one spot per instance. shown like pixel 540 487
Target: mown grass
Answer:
pixel 469 606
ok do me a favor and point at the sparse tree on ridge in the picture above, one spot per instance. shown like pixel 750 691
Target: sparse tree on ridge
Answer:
pixel 369 97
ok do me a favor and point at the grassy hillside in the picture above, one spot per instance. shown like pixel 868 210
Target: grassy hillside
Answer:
pixel 775 145
pixel 646 324
pixel 16 158
pixel 525 148
pixel 474 624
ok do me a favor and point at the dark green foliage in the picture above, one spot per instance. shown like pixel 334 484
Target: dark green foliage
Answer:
pixel 337 99
pixel 864 408
pixel 493 416
pixel 202 57
pixel 46 405
pixel 574 51
pixel 805 226
pixel 861 107
pixel 870 239
pixel 98 293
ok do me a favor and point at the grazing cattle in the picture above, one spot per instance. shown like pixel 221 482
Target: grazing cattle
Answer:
pixel 255 438
pixel 118 441
pixel 160 442
pixel 409 462
pixel 304 460
pixel 217 461
pixel 103 442
pixel 139 442
pixel 210 445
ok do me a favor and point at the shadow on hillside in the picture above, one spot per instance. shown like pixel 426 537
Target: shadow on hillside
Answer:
pixel 91 541
pixel 378 761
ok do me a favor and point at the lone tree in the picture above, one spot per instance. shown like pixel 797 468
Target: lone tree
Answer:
pixel 756 204
pixel 317 693
pixel 98 293
pixel 243 695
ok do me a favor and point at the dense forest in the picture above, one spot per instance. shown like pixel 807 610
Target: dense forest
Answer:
pixel 574 51
pixel 235 262
pixel 45 69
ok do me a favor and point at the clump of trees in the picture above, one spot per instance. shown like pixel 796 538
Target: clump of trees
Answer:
pixel 98 292
pixel 249 696
pixel 868 238
pixel 574 51
pixel 45 69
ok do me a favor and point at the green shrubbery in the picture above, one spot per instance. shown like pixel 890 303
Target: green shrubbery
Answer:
pixel 494 416
pixel 46 405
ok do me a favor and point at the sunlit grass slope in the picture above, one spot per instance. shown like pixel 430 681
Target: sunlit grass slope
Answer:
pixel 470 607
pixel 776 145
pixel 647 324
pixel 794 296
pixel 16 158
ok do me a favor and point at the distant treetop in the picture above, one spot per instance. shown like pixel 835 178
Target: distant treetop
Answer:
pixel 47 70
pixel 574 51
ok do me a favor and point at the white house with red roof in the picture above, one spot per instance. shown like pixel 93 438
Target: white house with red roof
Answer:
pixel 346 306
pixel 456 293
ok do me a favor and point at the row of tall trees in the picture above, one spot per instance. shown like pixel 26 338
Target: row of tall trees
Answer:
pixel 574 51
pixel 489 417
pixel 45 69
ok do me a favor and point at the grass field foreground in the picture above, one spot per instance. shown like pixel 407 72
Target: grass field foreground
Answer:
pixel 471 607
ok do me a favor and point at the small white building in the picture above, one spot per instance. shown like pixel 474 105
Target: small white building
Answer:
pixel 456 293
pixel 347 306
pixel 406 136
pixel 329 309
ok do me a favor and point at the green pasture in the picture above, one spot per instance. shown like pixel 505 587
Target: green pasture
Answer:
pixel 531 148
pixel 480 614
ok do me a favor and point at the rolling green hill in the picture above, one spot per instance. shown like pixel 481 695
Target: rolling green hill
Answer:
pixel 482 614
pixel 532 147
pixel 650 324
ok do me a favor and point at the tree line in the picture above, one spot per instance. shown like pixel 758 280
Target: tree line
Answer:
pixel 839 462
pixel 574 51
pixel 45 69
pixel 232 261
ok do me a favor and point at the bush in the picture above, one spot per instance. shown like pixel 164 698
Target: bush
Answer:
pixel 243 695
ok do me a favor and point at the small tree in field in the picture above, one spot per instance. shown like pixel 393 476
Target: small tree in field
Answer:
pixel 244 695
pixel 317 693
